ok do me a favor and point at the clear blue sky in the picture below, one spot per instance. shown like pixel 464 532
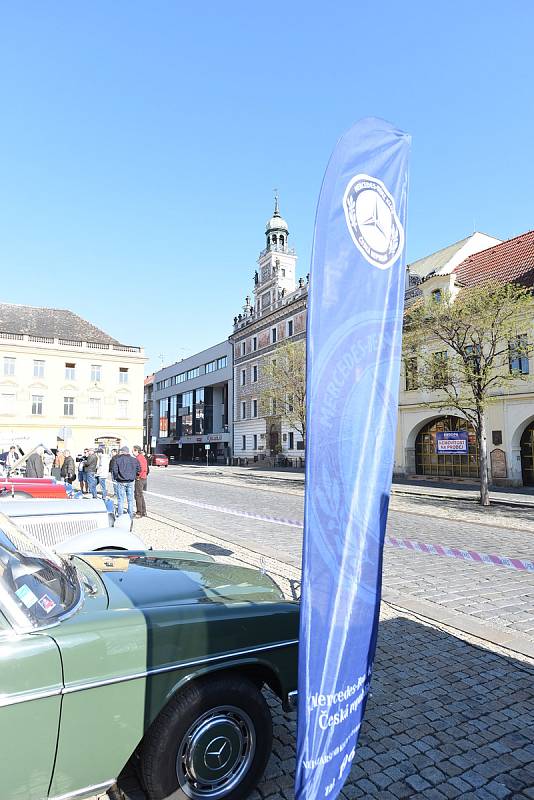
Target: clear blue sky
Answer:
pixel 141 142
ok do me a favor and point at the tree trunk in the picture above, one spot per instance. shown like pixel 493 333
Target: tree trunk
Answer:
pixel 483 459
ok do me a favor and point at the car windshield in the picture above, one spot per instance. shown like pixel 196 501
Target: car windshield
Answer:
pixel 36 586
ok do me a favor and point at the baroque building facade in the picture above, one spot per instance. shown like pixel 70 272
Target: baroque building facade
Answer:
pixel 275 314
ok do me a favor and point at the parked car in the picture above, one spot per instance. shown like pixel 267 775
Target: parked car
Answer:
pixel 159 460
pixel 154 656
pixel 32 487
pixel 72 526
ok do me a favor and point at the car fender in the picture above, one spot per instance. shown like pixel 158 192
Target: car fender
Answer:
pixel 115 538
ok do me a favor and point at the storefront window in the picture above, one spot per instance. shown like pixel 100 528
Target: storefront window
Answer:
pixel 428 462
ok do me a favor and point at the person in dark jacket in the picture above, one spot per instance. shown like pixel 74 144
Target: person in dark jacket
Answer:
pixel 68 468
pixel 91 466
pixel 140 482
pixel 34 464
pixel 82 477
pixel 124 471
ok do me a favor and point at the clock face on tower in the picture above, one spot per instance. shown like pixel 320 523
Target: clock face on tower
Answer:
pixel 265 273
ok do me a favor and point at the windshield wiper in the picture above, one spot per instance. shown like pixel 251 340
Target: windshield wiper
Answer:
pixel 70 571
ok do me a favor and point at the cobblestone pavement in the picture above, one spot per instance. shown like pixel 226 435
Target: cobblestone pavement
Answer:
pixel 493 595
pixel 449 716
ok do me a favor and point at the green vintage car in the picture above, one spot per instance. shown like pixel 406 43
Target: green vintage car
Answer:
pixel 152 658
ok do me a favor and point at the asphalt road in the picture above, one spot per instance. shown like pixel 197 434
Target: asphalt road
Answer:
pixel 265 515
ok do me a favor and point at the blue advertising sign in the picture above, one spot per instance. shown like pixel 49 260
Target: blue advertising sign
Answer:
pixel 353 359
pixel 448 442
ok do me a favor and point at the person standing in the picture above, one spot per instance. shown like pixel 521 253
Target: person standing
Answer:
pixel 48 461
pixel 91 466
pixel 82 477
pixel 68 468
pixel 140 482
pixel 58 463
pixel 103 472
pixel 34 464
pixel 114 454
pixel 125 470
pixel 12 458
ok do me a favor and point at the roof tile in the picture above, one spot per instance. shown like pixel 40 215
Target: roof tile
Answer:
pixel 509 262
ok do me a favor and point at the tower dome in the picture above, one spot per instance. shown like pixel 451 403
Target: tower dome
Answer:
pixel 277 222
pixel 276 230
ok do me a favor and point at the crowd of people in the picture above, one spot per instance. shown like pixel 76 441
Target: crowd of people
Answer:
pixel 117 474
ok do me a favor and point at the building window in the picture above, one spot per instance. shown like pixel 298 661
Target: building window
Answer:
pixel 37 404
pixel 68 406
pixel 255 373
pixel 222 362
pixel 38 368
pixel 243 410
pixel 254 342
pixel 9 365
pixel 291 440
pixel 243 442
pixel 300 444
pixel 254 408
pixel 243 348
pixel 290 327
pixel 410 366
pixel 273 405
pixel 518 355
pixel 7 403
pixel 123 374
pixel 273 335
pixel 255 441
pixel 123 409
pixel 211 366
pixel 290 402
pixel 70 371
pixel 95 407
pixel 96 373
pixel 243 377
pixel 440 370
pixel 436 295
pixel 193 373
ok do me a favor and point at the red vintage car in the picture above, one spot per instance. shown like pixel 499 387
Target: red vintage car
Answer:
pixel 32 487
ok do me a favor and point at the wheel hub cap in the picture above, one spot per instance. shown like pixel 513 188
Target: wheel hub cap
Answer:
pixel 215 753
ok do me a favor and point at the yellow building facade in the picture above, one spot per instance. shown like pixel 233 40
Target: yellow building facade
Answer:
pixel 65 383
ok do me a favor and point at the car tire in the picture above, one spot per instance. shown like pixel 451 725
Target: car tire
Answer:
pixel 211 742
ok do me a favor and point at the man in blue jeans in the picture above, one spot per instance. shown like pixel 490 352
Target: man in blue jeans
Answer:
pixel 124 471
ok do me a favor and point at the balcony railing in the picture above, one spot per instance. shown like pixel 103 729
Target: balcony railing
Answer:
pixel 69 343
pixel 276 248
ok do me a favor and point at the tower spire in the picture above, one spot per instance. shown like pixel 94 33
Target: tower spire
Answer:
pixel 276 210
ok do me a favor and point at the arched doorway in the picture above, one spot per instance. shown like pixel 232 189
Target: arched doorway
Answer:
pixel 428 462
pixel 527 455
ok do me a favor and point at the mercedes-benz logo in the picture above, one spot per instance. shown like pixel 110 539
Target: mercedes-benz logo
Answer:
pixel 218 753
pixel 372 221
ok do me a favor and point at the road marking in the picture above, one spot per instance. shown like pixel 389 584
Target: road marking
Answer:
pixel 291 523
pixel 470 556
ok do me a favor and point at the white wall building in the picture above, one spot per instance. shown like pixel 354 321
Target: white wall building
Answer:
pixel 66 383
pixel 510 417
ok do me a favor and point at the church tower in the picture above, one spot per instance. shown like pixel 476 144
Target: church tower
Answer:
pixel 275 276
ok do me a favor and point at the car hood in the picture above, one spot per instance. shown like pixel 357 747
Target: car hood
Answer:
pixel 163 579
